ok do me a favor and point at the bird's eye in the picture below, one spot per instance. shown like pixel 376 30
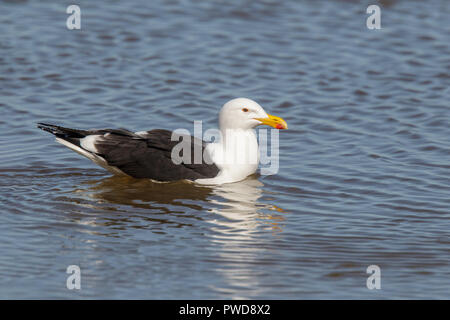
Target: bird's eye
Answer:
pixel 245 109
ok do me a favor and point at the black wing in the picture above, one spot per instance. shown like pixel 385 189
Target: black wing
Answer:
pixel 143 155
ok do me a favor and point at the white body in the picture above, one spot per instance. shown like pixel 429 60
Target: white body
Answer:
pixel 237 156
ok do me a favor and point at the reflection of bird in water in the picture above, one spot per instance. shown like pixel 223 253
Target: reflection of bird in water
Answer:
pixel 242 229
pixel 240 197
pixel 138 203
pixel 236 204
pixel 231 217
pixel 142 193
pixel 239 205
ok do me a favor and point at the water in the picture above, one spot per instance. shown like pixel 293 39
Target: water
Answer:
pixel 364 167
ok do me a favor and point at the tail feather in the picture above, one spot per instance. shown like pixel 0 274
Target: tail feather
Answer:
pixel 62 132
pixel 71 139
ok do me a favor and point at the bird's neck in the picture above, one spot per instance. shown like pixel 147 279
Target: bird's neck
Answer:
pixel 236 136
pixel 240 147
pixel 236 155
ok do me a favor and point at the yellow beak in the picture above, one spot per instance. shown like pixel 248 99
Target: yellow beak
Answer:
pixel 273 121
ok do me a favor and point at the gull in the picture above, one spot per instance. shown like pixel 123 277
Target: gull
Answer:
pixel 150 154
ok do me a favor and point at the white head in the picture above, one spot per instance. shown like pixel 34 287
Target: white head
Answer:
pixel 243 113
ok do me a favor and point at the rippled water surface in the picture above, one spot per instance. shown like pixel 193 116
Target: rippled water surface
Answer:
pixel 364 172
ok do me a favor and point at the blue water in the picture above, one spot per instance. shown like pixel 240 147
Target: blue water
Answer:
pixel 364 175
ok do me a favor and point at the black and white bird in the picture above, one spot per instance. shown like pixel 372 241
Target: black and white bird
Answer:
pixel 149 154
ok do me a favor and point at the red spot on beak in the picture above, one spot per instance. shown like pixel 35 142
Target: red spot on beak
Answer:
pixel 279 126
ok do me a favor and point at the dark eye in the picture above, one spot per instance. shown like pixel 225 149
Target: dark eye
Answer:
pixel 245 109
